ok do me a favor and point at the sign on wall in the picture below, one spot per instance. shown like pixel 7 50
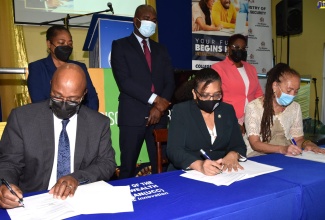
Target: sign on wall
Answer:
pixel 251 18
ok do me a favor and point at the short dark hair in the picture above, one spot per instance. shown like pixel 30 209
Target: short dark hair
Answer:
pixel 233 38
pixel 206 76
pixel 142 8
pixel 53 31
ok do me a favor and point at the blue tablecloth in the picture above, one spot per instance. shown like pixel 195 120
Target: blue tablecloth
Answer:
pixel 295 192
pixel 308 175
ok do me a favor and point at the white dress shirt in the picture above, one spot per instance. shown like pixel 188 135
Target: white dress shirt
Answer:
pixel 72 132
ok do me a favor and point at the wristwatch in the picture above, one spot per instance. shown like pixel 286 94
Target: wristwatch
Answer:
pixel 241 158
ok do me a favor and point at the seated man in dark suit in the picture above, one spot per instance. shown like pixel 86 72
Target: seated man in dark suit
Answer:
pixel 39 138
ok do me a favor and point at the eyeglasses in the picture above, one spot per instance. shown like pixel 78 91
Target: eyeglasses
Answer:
pixel 70 102
pixel 206 96
pixel 236 47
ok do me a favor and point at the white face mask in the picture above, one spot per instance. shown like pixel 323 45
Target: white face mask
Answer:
pixel 147 28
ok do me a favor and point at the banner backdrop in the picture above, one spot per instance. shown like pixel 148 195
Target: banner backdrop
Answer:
pixel 252 18
pixel 108 92
pixel 260 52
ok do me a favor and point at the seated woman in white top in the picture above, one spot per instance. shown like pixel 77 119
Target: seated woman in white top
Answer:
pixel 274 122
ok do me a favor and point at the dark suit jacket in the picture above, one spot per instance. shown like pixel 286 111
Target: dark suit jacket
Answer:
pixel 188 133
pixel 40 76
pixel 27 147
pixel 134 78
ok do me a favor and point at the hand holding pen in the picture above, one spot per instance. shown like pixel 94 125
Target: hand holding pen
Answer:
pixel 9 196
pixel 295 150
pixel 211 167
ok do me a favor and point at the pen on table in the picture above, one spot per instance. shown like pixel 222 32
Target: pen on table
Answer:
pixel 12 192
pixel 208 158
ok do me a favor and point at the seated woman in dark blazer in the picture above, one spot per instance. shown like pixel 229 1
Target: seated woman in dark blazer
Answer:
pixel 205 123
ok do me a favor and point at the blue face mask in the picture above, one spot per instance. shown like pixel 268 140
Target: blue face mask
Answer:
pixel 285 99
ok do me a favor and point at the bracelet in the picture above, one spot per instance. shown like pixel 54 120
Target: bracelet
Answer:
pixel 304 142
pixel 241 158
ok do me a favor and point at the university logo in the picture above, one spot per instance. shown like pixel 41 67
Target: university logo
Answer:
pixel 263 70
pixel 251 56
pixel 321 4
pixel 250 31
pixel 263 44
pixel 261 19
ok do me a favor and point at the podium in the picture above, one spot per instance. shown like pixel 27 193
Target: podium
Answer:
pixel 102 31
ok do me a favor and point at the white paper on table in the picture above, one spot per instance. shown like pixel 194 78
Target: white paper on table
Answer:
pixel 251 169
pixel 102 198
pixel 309 155
pixel 223 179
pixel 97 197
pixel 42 206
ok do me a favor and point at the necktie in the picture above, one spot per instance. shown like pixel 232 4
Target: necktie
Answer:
pixel 63 167
pixel 147 54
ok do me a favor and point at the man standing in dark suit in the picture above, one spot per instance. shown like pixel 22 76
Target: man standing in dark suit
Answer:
pixel 144 75
pixel 37 143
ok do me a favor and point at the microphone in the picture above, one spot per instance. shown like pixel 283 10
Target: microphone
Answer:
pixel 109 4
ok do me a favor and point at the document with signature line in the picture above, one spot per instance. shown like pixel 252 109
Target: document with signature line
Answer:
pixel 98 197
pixel 310 155
pixel 251 169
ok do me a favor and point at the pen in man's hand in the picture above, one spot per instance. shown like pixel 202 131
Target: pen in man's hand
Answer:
pixel 12 192
pixel 208 158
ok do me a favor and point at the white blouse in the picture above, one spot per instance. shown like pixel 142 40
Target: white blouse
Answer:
pixel 290 119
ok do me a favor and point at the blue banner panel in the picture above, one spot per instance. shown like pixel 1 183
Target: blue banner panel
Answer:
pixel 110 30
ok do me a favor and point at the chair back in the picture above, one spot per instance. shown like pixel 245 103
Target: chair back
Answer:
pixel 161 136
pixel 2 127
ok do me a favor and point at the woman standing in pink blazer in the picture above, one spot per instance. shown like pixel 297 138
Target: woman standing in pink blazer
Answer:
pixel 240 83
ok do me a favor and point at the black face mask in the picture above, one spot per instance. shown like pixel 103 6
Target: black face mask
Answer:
pixel 64 110
pixel 63 52
pixel 208 105
pixel 238 55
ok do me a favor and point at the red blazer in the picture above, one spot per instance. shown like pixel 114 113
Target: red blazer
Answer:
pixel 233 86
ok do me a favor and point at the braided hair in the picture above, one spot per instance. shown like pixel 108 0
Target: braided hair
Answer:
pixel 276 74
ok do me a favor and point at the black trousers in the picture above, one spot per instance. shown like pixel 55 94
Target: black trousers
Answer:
pixel 131 140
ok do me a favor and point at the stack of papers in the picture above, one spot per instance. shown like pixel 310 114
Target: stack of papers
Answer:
pixel 309 155
pixel 251 169
pixel 98 197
